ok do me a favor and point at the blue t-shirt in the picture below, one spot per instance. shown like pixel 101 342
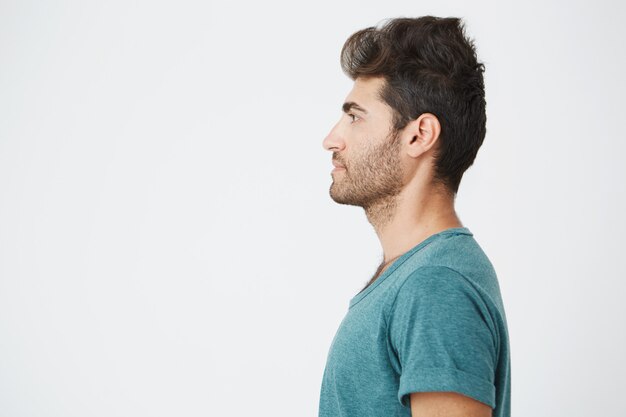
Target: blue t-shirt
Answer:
pixel 433 321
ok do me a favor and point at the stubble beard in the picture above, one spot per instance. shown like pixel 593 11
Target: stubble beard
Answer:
pixel 372 180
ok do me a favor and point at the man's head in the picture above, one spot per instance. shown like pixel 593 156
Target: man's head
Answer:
pixel 422 89
pixel 367 153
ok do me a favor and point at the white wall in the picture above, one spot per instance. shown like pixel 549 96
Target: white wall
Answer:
pixel 167 242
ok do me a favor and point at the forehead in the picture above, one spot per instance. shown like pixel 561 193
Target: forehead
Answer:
pixel 365 93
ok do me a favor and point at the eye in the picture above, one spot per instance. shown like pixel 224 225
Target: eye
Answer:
pixel 353 116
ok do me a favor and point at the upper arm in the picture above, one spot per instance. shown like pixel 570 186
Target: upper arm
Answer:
pixel 442 337
pixel 449 404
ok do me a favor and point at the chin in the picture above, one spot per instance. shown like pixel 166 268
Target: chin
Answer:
pixel 342 199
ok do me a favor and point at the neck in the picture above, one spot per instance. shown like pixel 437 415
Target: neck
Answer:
pixel 403 221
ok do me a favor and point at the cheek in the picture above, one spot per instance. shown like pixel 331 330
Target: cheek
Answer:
pixel 407 170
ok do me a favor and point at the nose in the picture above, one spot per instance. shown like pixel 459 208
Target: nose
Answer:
pixel 334 140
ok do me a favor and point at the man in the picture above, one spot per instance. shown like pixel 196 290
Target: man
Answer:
pixel 427 336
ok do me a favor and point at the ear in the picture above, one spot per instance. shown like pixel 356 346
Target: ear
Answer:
pixel 421 134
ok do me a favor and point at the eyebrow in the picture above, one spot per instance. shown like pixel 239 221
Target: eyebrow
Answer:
pixel 347 106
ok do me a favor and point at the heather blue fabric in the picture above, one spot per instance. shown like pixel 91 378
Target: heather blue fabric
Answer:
pixel 433 321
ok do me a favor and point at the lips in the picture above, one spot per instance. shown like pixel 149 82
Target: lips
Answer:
pixel 338 165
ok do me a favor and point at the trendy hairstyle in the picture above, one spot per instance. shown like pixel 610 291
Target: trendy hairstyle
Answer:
pixel 429 67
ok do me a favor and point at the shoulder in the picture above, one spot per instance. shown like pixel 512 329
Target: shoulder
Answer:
pixel 432 281
pixel 440 289
pixel 443 298
pixel 456 262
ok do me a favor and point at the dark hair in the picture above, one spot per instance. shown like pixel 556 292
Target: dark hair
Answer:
pixel 430 67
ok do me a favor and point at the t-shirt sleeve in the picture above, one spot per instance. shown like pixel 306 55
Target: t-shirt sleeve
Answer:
pixel 442 336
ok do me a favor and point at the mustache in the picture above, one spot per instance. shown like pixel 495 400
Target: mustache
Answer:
pixel 338 160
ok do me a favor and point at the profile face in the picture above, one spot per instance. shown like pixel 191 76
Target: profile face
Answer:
pixel 365 153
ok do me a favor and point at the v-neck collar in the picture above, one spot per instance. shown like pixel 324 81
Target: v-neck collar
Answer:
pixel 403 258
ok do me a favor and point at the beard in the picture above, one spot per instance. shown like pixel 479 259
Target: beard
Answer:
pixel 372 178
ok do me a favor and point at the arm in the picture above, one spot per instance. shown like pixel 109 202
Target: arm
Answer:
pixel 448 404
pixel 442 337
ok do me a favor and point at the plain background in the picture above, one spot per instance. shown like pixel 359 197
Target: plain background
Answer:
pixel 167 242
